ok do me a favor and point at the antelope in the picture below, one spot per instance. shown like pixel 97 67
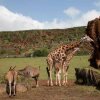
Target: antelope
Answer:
pixel 32 72
pixel 11 80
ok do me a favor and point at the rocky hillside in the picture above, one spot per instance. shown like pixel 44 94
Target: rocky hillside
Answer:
pixel 26 42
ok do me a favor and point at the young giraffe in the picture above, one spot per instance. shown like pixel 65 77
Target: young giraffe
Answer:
pixel 66 64
pixel 60 55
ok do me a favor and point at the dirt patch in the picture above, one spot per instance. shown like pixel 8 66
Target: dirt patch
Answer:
pixel 44 92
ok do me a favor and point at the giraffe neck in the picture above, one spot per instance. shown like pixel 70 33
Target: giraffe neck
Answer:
pixel 70 55
pixel 69 47
pixel 62 51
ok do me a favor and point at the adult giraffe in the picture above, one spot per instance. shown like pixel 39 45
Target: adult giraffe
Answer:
pixel 60 55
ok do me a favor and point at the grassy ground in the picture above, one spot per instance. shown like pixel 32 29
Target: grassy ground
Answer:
pixel 5 63
pixel 70 92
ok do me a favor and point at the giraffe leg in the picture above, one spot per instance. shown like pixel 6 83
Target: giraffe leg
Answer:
pixel 63 79
pixel 66 81
pixel 51 83
pixel 48 82
pixel 56 79
pixel 65 69
pixel 63 72
pixel 66 74
pixel 59 77
pixel 49 71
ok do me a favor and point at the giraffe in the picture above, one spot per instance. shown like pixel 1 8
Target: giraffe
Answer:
pixel 65 68
pixel 60 55
pixel 66 64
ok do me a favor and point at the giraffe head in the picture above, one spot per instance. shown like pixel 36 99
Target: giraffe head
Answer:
pixel 86 38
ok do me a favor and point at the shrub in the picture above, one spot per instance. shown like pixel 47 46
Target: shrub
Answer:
pixel 2 52
pixel 40 53
pixel 80 53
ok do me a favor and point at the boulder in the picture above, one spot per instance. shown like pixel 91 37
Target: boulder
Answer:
pixel 2 88
pixel 88 76
pixel 21 88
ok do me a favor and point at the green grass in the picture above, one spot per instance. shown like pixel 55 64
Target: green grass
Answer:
pixel 5 63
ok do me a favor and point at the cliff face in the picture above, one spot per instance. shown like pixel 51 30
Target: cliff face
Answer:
pixel 93 31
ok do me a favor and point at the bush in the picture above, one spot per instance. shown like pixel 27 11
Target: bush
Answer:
pixel 40 53
pixel 80 53
pixel 2 52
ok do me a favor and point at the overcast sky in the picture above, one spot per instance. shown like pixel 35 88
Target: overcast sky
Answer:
pixel 46 14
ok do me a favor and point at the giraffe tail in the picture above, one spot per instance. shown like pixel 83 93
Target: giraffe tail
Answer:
pixel 47 69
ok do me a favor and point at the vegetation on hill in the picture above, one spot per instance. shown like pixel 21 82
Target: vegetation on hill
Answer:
pixel 36 42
